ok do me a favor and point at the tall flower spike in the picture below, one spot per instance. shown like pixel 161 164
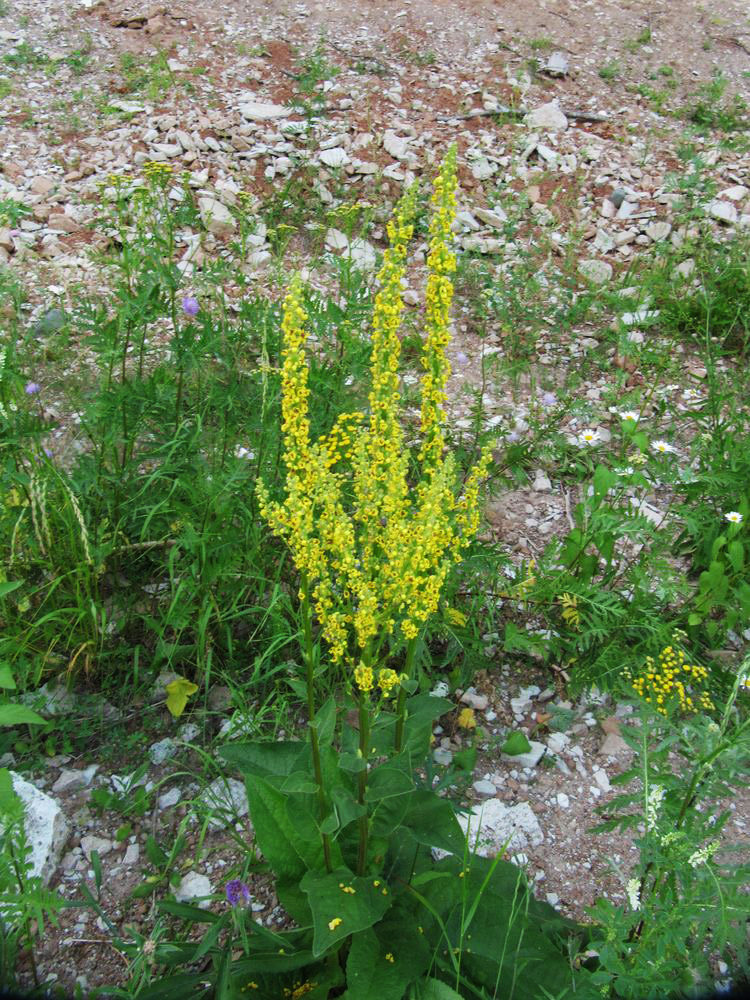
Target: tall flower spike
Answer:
pixel 294 389
pixel 380 477
pixel 441 263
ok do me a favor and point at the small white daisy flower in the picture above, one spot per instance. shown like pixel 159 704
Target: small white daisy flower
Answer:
pixel 663 447
pixel 589 437
pixel 630 416
pixel 734 516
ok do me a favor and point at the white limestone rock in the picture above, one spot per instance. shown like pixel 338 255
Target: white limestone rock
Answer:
pixel 492 826
pixel 226 800
pixel 216 217
pixel 256 111
pixel 723 211
pixel 596 271
pixel 194 888
pixel 46 827
pixel 547 117
pixel 334 158
pixel 529 759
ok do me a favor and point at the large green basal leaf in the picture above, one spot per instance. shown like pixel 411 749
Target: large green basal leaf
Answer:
pixel 337 912
pixel 432 821
pixel 265 759
pixel 385 959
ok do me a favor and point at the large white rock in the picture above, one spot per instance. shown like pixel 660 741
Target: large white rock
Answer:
pixel 226 800
pixel 547 117
pixel 336 157
pixel 194 888
pixel 529 759
pixel 596 271
pixel 396 145
pixel 258 112
pixel 46 827
pixel 724 211
pixel 495 217
pixel 493 826
pixel 216 217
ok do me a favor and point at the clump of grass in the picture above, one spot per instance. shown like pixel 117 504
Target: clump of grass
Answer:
pixel 610 70
pixel 715 301
pixel 713 109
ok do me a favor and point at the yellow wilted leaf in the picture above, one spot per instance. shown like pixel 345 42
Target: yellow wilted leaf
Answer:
pixel 178 692
pixel 466 719
pixel 571 615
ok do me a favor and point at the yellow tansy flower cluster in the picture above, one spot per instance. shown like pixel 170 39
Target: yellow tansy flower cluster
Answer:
pixel 373 548
pixel 157 171
pixel 672 677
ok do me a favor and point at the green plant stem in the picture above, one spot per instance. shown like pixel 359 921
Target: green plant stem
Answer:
pixel 315 746
pixel 702 767
pixel 401 703
pixel 364 741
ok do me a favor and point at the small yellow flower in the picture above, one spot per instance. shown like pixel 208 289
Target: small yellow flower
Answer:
pixel 364 678
pixel 387 680
pixel 333 924
pixel 409 629
pixel 389 957
pixel 466 719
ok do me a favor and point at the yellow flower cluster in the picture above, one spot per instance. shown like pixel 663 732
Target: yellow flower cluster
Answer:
pixel 333 924
pixel 157 171
pixel 672 678
pixel 299 989
pixel 375 549
pixel 387 681
pixel 363 678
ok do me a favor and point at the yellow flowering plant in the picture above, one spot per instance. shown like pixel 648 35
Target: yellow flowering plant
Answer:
pixel 344 819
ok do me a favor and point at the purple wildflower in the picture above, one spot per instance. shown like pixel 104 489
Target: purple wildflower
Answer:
pixel 461 358
pixel 548 399
pixel 32 388
pixel 190 305
pixel 238 893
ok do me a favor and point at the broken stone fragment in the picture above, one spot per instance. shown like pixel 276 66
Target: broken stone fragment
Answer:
pixel 216 217
pixel 45 826
pixel 547 117
pixel 258 112
pixel 493 826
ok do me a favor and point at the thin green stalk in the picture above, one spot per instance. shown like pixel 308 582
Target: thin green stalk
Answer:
pixel 364 748
pixel 307 615
pixel 401 703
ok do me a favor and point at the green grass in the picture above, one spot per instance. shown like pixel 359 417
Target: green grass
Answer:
pixel 150 76
pixel 643 38
pixel 611 70
pixel 712 108
pixel 25 56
